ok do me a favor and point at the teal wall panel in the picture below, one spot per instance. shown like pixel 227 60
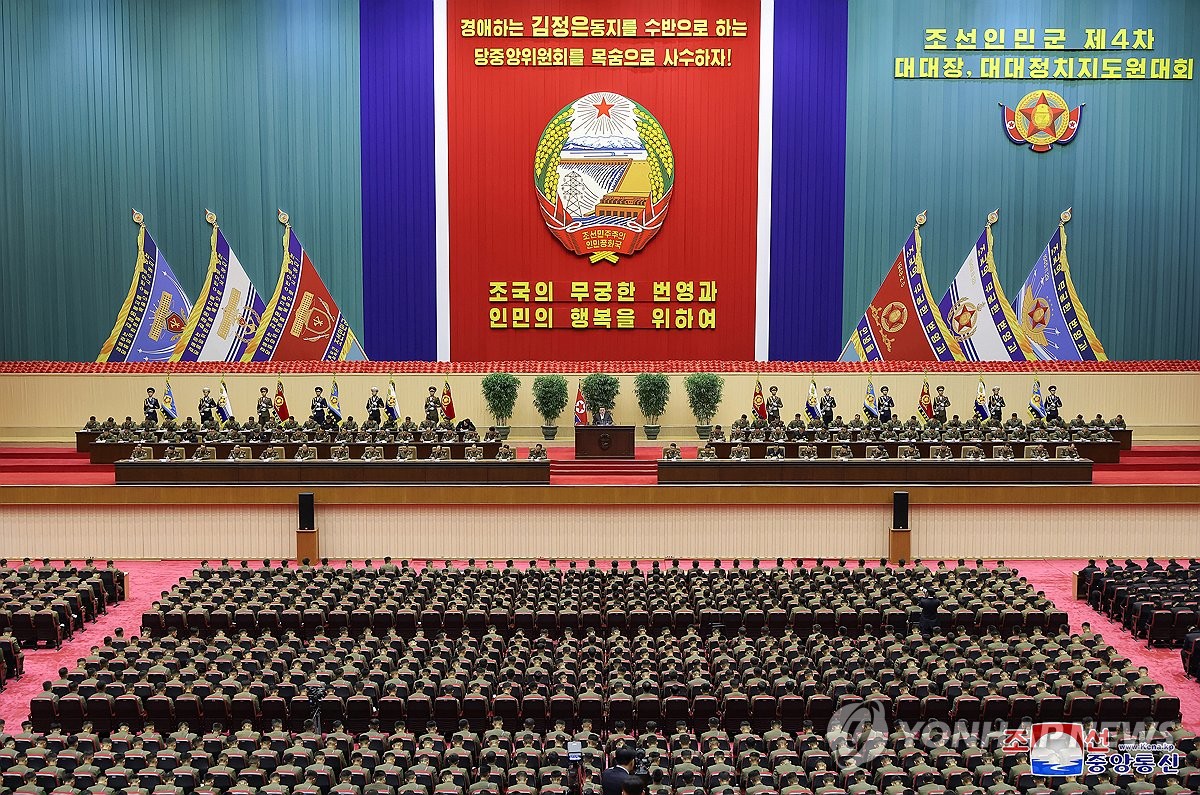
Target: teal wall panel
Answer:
pixel 1132 173
pixel 170 107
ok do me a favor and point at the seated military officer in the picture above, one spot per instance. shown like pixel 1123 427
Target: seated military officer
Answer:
pixel 707 453
pixel 1003 452
pixel 856 423
pixel 429 435
pixel 739 452
pixel 889 433
pixel 365 435
pixel 842 452
pixel 473 453
pixel 995 435
pixel 141 453
pixel 1100 435
pixel 305 453
pixel 738 434
pixel 1078 422
pixel 796 427
pixel 240 453
pixel 274 453
pixel 972 452
pixel 1117 423
pixel 1069 452
pixel 741 423
pixel 821 434
pixel 877 452
pixel 776 452
pixel 910 452
pixel 930 434
pixel 807 452
pixel 758 434
pixel 470 436
pixel 777 433
pixel 505 453
pixel 92 424
pixel 717 434
pixel 407 452
pixel 1040 435
pixel 373 453
pixel 439 453
pixel 672 452
pixel 537 453
pixel 340 453
pixel 409 425
pixel 1036 452
pixel 941 452
pixel 492 435
pixel 404 437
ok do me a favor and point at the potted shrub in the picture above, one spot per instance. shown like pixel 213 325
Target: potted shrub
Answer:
pixel 652 391
pixel 600 389
pixel 549 398
pixel 704 397
pixel 500 394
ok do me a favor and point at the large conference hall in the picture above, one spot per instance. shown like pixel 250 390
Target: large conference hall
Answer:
pixel 561 397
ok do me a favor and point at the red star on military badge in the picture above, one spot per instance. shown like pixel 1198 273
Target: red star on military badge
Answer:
pixel 1039 314
pixel 603 108
pixel 965 317
pixel 1042 110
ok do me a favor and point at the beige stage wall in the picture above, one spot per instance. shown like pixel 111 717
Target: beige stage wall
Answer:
pixel 41 408
pixel 500 531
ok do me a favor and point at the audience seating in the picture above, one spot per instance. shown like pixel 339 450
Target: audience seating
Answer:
pixel 47 604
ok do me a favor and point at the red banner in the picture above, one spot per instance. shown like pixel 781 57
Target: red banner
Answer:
pixel 603 172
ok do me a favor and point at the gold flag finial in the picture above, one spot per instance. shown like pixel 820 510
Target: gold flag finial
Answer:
pixel 993 216
pixel 921 218
pixel 138 218
pixel 1064 216
pixel 210 216
pixel 283 218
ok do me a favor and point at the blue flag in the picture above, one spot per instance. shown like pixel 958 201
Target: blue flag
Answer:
pixel 810 406
pixel 392 410
pixel 1036 409
pixel 168 402
pixel 869 401
pixel 1052 316
pixel 228 310
pixel 981 408
pixel 154 315
pixel 224 406
pixel 335 407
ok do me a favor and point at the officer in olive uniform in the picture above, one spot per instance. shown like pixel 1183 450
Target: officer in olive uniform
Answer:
pixel 1052 404
pixel 375 406
pixel 207 407
pixel 774 405
pixel 433 406
pixel 940 404
pixel 265 406
pixel 995 404
pixel 827 405
pixel 151 407
pixel 885 404
pixel 319 406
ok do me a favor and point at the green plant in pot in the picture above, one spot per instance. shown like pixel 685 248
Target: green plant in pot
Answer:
pixel 550 399
pixel 500 394
pixel 600 389
pixel 704 397
pixel 652 391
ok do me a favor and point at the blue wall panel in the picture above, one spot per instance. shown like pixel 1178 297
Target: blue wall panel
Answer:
pixel 399 287
pixel 808 179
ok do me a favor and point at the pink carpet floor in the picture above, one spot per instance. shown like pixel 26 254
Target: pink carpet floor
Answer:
pixel 148 579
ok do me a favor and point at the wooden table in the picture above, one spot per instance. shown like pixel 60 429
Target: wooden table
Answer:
pixel 1097 452
pixel 604 441
pixel 893 472
pixel 111 452
pixel 330 472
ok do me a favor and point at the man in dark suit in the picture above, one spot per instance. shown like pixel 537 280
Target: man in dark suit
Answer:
pixel 603 417
pixel 613 780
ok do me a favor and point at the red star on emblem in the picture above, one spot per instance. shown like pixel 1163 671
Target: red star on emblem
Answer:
pixel 1039 314
pixel 1042 116
pixel 603 108
pixel 965 317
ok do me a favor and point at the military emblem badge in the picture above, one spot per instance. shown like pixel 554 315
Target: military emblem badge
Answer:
pixel 604 173
pixel 1041 119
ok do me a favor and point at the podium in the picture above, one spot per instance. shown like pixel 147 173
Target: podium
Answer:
pixel 603 441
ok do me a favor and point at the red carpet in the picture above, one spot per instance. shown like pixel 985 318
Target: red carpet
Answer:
pixel 1150 463
pixel 147 579
pixel 51 466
